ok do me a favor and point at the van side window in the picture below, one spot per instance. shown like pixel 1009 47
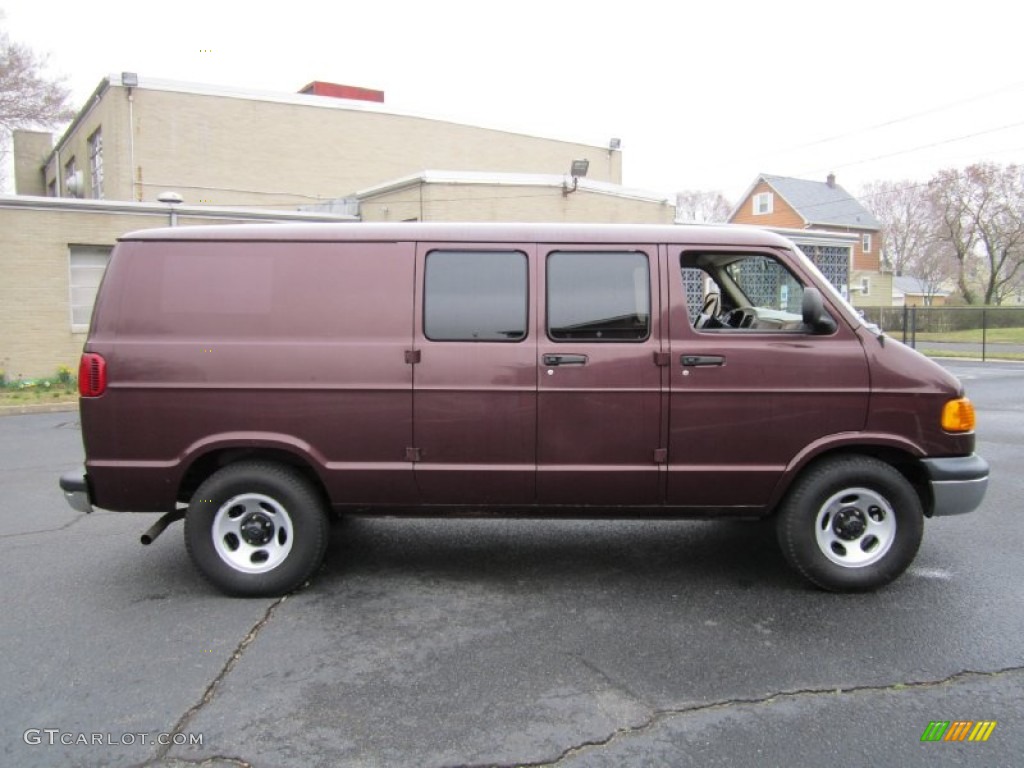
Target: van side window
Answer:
pixel 741 291
pixel 475 296
pixel 598 296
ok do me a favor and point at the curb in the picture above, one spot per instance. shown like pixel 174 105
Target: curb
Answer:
pixel 20 410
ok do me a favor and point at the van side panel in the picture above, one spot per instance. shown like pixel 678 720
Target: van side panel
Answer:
pixel 297 347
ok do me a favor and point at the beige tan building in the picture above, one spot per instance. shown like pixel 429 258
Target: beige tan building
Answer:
pixel 138 137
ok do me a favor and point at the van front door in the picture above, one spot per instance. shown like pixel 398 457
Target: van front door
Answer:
pixel 751 387
pixel 600 386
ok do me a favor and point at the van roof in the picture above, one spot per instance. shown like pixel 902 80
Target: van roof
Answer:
pixel 473 232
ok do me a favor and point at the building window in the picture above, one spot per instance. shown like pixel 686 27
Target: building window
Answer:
pixel 86 266
pixel 598 296
pixel 865 286
pixel 96 163
pixel 865 243
pixel 763 203
pixel 72 184
pixel 475 296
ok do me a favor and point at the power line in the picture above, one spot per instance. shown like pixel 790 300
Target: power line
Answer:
pixel 905 118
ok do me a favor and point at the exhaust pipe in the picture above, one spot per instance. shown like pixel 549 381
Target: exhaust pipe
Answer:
pixel 160 525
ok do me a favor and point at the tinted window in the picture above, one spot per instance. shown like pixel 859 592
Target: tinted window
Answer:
pixel 599 296
pixel 475 296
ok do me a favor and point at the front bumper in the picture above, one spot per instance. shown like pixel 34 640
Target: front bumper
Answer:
pixel 76 491
pixel 958 484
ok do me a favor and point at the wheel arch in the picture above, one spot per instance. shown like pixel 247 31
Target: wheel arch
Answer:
pixel 206 463
pixel 903 458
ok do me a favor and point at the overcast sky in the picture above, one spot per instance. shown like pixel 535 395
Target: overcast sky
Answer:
pixel 703 95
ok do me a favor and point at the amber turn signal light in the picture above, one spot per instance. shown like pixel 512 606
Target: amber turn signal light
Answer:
pixel 958 415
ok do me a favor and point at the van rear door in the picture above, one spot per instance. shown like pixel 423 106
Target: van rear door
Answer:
pixel 474 374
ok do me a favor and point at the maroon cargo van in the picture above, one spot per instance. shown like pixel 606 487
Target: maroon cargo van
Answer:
pixel 253 379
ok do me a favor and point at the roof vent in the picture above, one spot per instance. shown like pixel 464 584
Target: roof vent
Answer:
pixel 831 181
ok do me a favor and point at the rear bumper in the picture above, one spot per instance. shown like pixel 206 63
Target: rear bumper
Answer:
pixel 958 484
pixel 76 491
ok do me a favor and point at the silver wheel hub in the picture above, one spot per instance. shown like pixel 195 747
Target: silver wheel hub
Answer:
pixel 855 527
pixel 252 533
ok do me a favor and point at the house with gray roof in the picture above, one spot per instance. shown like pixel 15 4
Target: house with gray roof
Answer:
pixel 823 206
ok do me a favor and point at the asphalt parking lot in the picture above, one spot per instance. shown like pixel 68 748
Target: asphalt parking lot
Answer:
pixel 511 643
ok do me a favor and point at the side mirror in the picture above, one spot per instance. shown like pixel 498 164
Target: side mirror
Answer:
pixel 816 319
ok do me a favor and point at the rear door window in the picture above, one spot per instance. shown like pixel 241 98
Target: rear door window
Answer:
pixel 475 296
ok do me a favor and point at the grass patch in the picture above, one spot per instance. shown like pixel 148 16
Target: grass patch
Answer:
pixel 993 336
pixel 62 388
pixel 989 354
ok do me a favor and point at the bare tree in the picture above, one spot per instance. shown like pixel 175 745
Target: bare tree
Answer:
pixel 28 99
pixel 980 218
pixel 702 207
pixel 903 209
pixel 934 266
pixel 954 202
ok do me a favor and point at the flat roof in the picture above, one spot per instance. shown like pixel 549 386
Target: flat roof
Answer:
pixel 503 179
pixel 90 205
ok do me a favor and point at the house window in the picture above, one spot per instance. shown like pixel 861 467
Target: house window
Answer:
pixel 763 203
pixel 96 164
pixel 86 266
pixel 865 243
pixel 71 185
pixel 865 286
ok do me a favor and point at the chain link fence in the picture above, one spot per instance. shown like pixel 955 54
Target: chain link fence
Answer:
pixel 975 332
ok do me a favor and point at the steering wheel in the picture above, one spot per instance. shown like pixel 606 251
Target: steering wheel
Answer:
pixel 741 317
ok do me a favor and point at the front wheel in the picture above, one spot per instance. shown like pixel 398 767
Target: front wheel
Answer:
pixel 850 524
pixel 256 529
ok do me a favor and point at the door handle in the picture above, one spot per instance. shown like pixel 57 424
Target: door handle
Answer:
pixel 691 361
pixel 564 359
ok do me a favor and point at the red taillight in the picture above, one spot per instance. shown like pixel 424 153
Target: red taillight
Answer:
pixel 92 375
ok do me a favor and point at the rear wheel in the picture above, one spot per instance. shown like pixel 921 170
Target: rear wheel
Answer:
pixel 851 523
pixel 256 529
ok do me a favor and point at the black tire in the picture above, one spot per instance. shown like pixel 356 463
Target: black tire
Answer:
pixel 850 524
pixel 256 529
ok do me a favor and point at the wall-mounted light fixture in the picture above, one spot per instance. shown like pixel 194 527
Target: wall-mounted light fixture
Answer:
pixel 576 170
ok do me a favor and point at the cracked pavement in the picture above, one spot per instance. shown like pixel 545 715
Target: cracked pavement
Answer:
pixel 507 643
